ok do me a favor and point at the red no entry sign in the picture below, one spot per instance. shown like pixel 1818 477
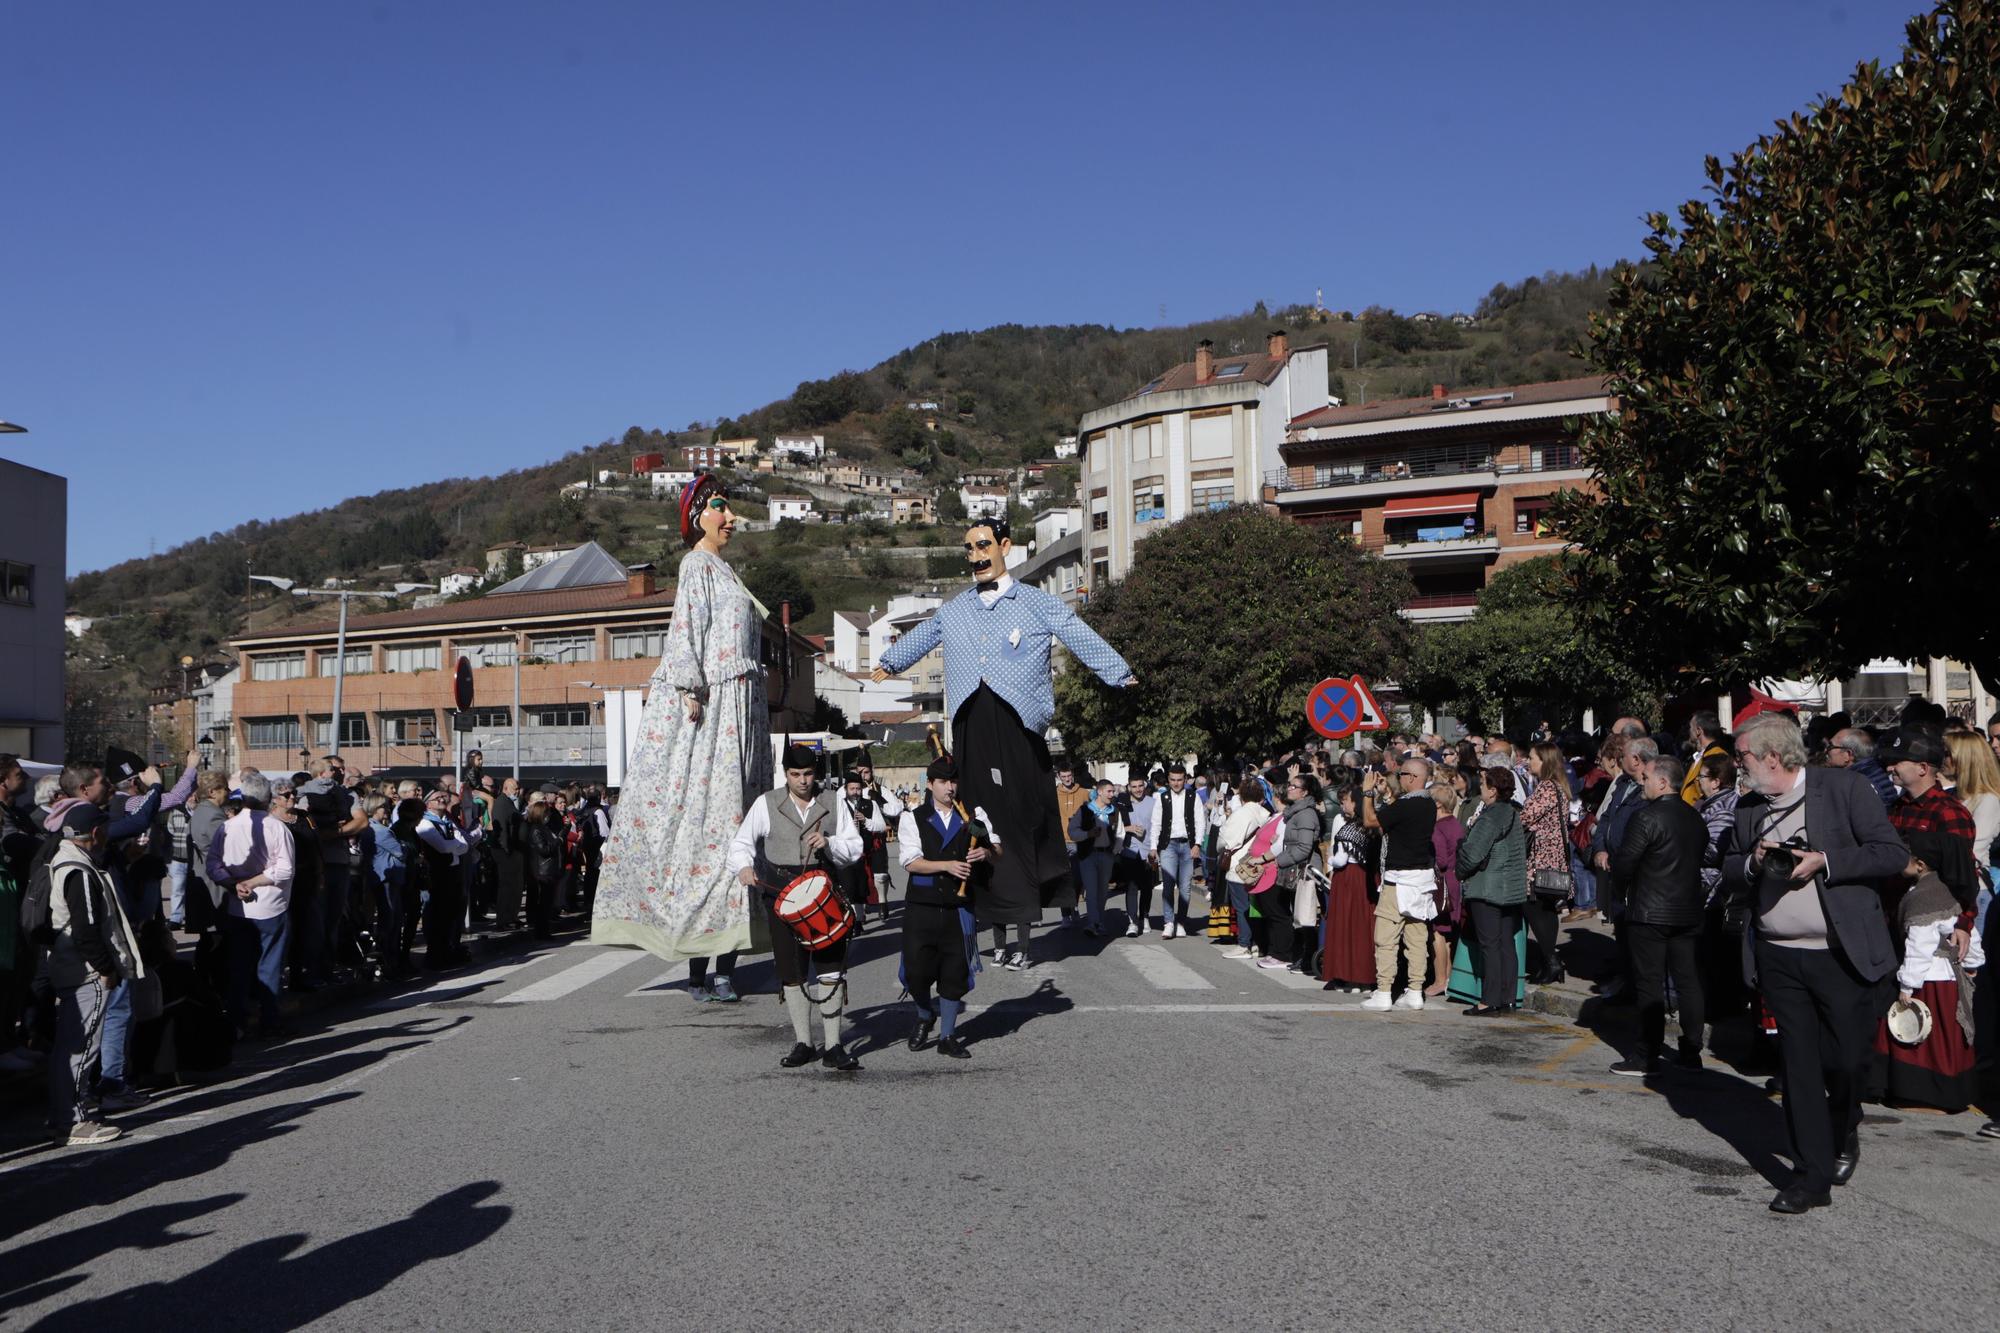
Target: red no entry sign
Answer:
pixel 1338 707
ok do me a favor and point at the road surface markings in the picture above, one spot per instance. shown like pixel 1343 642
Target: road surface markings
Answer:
pixel 665 983
pixel 574 977
pixel 1162 970
pixel 455 988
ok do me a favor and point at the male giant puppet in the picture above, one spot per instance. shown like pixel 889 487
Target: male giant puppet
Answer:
pixel 996 638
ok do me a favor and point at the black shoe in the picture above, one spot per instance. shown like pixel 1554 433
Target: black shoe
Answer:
pixel 1638 1067
pixel 1689 1057
pixel 920 1035
pixel 1486 1011
pixel 837 1057
pixel 800 1054
pixel 954 1048
pixel 1845 1160
pixel 1798 1199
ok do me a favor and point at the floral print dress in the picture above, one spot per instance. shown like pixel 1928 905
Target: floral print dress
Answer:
pixel 664 885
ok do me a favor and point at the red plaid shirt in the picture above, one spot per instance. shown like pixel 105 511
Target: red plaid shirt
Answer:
pixel 1936 811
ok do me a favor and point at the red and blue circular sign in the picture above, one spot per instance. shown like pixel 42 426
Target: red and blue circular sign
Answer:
pixel 1337 708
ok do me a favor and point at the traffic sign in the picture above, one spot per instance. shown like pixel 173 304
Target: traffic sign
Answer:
pixel 461 683
pixel 1337 708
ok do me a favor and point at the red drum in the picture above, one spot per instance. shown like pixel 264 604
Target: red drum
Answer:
pixel 816 914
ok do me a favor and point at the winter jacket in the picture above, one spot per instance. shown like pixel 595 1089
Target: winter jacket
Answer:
pixel 1493 859
pixel 1656 868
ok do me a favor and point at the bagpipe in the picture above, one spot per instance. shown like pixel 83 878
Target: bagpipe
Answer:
pixel 976 834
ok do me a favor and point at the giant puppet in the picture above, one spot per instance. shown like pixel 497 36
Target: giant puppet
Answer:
pixel 996 637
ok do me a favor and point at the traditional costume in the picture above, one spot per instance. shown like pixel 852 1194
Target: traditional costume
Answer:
pixel 940 939
pixel 1938 1070
pixel 997 638
pixel 771 843
pixel 665 885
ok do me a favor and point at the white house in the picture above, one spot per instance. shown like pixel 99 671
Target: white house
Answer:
pixel 1052 525
pixel 670 481
pixel 983 501
pixel 78 626
pixel 459 580
pixel 576 487
pixel 848 648
pixel 802 448
pixel 799 507
pixel 1066 447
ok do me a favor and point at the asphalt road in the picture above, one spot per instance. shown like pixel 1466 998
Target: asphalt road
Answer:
pixel 1148 1136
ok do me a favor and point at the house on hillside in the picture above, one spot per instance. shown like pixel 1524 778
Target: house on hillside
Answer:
pixel 799 507
pixel 669 482
pixel 922 405
pixel 645 463
pixel 985 476
pixel 912 509
pixel 742 447
pixel 1066 447
pixel 496 556
pixel 703 455
pixel 462 579
pixel 800 448
pixel 534 557
pixel 983 501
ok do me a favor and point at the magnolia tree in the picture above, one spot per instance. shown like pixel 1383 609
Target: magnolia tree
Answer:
pixel 1803 471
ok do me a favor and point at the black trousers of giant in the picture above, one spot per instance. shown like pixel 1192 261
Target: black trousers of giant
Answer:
pixel 1005 769
pixel 1656 950
pixel 934 952
pixel 1493 929
pixel 1826 1014
pixel 792 958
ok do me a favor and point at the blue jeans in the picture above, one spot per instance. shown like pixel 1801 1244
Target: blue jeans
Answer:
pixel 1586 882
pixel 177 878
pixel 1093 872
pixel 1176 880
pixel 1239 898
pixel 256 966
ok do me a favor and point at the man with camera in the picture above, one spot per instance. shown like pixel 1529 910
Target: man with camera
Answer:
pixel 1809 848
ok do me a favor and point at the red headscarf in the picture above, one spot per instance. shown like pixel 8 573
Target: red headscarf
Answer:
pixel 693 496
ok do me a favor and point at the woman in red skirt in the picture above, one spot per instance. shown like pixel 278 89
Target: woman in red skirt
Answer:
pixel 1347 961
pixel 1938 1070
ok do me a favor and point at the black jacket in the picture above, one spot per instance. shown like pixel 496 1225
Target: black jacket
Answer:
pixel 545 851
pixel 507 826
pixel 1657 864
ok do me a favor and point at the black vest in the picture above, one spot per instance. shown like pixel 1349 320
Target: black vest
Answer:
pixel 1187 820
pixel 938 890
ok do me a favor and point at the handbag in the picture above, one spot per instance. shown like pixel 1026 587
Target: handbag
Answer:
pixel 1553 883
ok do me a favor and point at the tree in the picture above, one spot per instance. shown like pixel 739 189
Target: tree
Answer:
pixel 1524 656
pixel 1801 474
pixel 1269 608
pixel 773 582
pixel 950 505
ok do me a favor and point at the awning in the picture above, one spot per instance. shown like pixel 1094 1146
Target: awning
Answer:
pixel 1415 506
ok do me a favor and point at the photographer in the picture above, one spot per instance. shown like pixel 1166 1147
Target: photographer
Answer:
pixel 1809 848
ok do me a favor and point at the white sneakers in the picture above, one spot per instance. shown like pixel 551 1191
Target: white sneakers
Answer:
pixel 1377 1000
pixel 1239 952
pixel 1170 929
pixel 1410 999
pixel 1132 931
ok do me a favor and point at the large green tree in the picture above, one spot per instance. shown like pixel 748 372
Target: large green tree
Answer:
pixel 1802 472
pixel 1228 619
pixel 774 581
pixel 1524 656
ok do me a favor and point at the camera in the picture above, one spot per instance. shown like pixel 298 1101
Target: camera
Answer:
pixel 1782 860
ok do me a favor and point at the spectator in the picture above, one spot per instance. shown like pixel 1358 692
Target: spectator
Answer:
pixel 1722 913
pixel 1131 868
pixel 1916 757
pixel 1819 947
pixel 1657 868
pixel 20 838
pixel 447 851
pixel 510 855
pixel 1705 739
pixel 542 849
pixel 1594 770
pixel 1493 870
pixel 335 820
pixel 386 870
pixel 1938 1071
pixel 1446 837
pixel 1347 950
pixel 254 859
pixel 1854 748
pixel 92 948
pixel 1291 903
pixel 1179 828
pixel 305 950
pixel 1409 876
pixel 1239 831
pixel 179 851
pixel 207 914
pixel 1550 884
pixel 1975 779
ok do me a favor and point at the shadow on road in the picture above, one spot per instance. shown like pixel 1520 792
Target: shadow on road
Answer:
pixel 275 1284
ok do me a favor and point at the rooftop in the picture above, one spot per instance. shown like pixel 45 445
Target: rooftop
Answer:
pixel 495 608
pixel 586 566
pixel 1454 400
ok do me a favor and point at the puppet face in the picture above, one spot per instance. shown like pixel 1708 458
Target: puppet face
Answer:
pixel 717 520
pixel 985 553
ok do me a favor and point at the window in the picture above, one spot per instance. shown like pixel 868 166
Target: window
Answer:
pixel 559 715
pixel 642 642
pixel 563 647
pixel 1149 500
pixel 1100 513
pixel 359 662
pixel 1531 517
pixel 409 728
pixel 278 666
pixel 486 652
pixel 1213 490
pixel 271 733
pixel 1100 573
pixel 1231 371
pixel 488 719
pixel 17 583
pixel 1546 457
pixel 410 657
pixel 1096 450
pixel 353 731
pixel 1149 442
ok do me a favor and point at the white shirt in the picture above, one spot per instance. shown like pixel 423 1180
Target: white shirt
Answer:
pixel 1168 807
pixel 843 844
pixel 445 837
pixel 909 842
pixel 275 898
pixel 988 596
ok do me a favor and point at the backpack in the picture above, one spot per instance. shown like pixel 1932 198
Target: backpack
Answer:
pixel 36 921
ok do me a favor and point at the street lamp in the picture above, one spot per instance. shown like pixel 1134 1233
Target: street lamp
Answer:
pixel 340 643
pixel 207 747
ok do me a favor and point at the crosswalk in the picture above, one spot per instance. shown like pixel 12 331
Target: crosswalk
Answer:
pixel 1127 975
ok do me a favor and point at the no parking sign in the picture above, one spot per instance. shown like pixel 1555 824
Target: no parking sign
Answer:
pixel 1338 707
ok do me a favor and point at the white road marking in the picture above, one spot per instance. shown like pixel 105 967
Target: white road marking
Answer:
pixel 663 984
pixel 1287 977
pixel 1161 969
pixel 1253 1008
pixel 454 988
pixel 574 977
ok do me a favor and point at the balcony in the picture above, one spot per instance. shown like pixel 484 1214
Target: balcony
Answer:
pixel 1433 607
pixel 1429 543
pixel 1403 471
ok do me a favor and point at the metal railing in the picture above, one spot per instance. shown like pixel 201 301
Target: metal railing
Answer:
pixel 1443 536
pixel 1417 464
pixel 1439 600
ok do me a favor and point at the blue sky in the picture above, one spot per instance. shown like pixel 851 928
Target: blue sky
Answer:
pixel 257 258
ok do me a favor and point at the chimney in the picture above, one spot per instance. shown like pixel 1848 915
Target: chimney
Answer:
pixel 639 582
pixel 1281 346
pixel 1204 361
pixel 1437 393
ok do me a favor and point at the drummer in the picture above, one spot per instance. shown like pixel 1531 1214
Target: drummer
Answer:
pixel 939 940
pixel 786 833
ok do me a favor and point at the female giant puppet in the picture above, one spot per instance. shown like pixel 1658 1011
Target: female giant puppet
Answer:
pixel 703 755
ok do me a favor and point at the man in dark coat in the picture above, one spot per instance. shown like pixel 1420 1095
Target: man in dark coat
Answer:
pixel 1657 871
pixel 1809 848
